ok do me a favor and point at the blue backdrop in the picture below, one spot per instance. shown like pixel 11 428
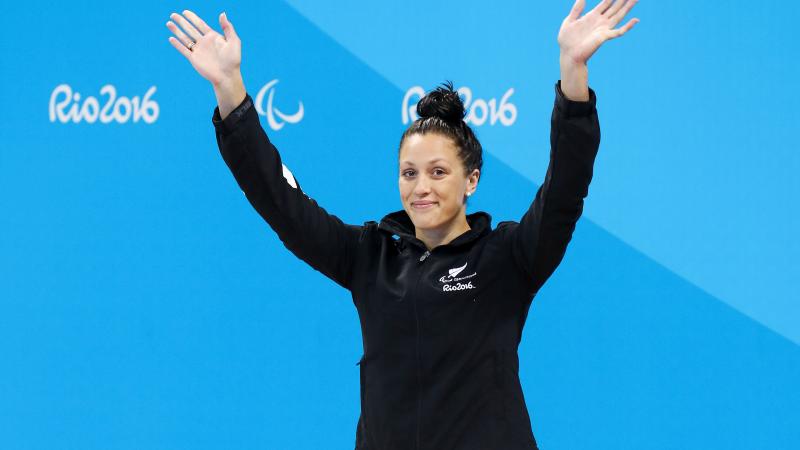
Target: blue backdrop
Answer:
pixel 145 305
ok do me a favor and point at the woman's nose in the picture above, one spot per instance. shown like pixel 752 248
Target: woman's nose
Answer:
pixel 422 186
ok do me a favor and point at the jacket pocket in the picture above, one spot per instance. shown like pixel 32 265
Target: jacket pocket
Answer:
pixel 499 380
pixel 364 438
pixel 515 412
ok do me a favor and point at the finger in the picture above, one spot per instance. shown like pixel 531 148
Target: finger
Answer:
pixel 197 21
pixel 620 31
pixel 227 27
pixel 602 6
pixel 622 12
pixel 577 8
pixel 187 27
pixel 184 39
pixel 180 47
pixel 614 8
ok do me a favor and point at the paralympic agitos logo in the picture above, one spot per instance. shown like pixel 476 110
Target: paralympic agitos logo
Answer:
pixel 275 118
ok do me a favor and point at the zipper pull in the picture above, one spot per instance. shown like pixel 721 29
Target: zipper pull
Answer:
pixel 424 255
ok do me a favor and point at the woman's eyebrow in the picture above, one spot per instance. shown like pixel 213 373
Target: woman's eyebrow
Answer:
pixel 429 162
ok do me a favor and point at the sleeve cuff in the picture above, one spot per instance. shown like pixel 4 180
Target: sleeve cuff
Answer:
pixel 571 108
pixel 229 124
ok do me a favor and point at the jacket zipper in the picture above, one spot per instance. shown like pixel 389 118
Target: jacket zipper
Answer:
pixel 419 358
pixel 424 255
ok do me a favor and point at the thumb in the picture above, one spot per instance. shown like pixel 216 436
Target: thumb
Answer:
pixel 227 27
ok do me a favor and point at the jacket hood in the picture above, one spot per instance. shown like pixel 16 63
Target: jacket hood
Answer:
pixel 399 223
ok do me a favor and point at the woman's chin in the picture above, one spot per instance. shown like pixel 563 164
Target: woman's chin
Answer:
pixel 423 221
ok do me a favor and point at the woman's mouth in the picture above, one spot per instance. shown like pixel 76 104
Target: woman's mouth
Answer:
pixel 422 205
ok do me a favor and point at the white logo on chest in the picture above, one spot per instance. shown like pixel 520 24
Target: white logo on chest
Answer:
pixel 457 270
pixel 452 280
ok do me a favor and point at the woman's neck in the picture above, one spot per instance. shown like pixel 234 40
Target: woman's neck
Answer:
pixel 441 236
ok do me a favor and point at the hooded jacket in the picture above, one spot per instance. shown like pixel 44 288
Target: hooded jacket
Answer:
pixel 440 327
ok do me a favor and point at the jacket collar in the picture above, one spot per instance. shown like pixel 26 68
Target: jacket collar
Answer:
pixel 400 224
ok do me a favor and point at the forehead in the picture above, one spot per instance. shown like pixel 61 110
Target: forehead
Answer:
pixel 420 149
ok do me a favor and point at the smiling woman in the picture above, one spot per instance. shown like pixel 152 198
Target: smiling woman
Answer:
pixel 440 163
pixel 441 296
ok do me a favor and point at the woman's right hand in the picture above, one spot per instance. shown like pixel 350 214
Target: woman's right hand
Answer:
pixel 216 58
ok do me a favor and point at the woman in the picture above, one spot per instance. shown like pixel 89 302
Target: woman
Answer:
pixel 441 297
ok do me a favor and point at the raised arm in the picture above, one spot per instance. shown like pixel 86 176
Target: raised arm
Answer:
pixel 320 239
pixel 539 242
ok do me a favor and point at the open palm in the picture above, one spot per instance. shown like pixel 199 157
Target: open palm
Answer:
pixel 580 37
pixel 214 56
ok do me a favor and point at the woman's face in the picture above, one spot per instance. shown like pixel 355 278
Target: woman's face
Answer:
pixel 432 181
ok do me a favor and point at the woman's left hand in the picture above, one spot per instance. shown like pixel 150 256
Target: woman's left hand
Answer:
pixel 579 38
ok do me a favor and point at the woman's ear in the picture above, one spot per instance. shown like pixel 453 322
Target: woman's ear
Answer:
pixel 472 181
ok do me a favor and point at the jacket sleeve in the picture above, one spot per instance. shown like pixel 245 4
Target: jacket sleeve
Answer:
pixel 540 240
pixel 320 239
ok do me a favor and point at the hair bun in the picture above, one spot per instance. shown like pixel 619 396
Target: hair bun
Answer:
pixel 443 102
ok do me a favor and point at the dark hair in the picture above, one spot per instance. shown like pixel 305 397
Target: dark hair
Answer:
pixel 442 111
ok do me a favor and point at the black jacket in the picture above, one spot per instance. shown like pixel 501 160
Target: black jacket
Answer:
pixel 440 328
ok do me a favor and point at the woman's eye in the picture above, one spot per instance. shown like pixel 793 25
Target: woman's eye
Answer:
pixel 436 172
